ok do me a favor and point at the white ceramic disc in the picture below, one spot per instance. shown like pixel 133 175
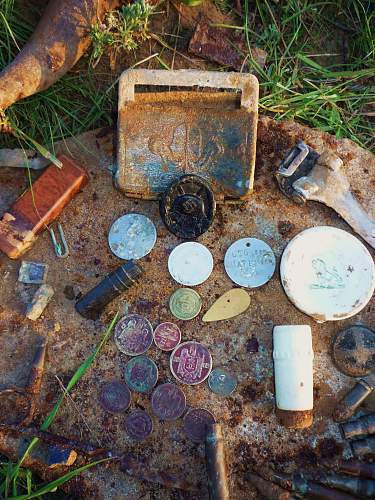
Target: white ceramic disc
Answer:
pixel 132 236
pixel 190 263
pixel 327 273
pixel 250 262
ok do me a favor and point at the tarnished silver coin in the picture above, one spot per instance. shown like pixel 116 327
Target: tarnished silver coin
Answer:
pixel 185 303
pixel 196 422
pixel 168 401
pixel 141 374
pixel 133 334
pixel 190 263
pixel 167 336
pixel 222 382
pixel 138 425
pixel 190 363
pixel 114 396
pixel 132 236
pixel 250 262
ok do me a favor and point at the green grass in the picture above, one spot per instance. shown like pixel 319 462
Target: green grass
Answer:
pixel 306 77
pixel 19 483
pixel 297 83
pixel 74 104
pixel 121 30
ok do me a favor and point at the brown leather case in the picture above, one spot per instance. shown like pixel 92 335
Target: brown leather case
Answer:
pixel 36 208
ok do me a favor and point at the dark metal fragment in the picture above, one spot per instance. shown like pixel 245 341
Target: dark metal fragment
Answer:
pixel 223 47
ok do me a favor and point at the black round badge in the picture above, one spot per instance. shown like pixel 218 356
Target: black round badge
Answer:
pixel 188 207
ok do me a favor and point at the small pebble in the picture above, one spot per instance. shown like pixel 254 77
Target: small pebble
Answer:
pixel 39 302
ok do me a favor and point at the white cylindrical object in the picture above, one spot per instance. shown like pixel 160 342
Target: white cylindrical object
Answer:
pixel 293 361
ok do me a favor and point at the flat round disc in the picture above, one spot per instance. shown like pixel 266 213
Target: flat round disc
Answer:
pixel 187 207
pixel 250 262
pixel 196 422
pixel 190 263
pixel 115 396
pixel 354 351
pixel 185 304
pixel 190 363
pixel 141 374
pixel 132 236
pixel 222 382
pixel 327 273
pixel 133 334
pixel 138 425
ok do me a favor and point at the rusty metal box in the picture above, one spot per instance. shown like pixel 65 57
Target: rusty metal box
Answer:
pixel 209 132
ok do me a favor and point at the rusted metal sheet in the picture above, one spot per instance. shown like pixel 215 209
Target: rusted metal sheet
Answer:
pixel 163 135
pixel 224 46
pixel 251 431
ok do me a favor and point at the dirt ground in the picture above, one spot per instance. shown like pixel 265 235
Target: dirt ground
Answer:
pixel 253 435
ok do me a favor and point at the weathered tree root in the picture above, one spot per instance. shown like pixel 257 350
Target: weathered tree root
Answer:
pixel 59 40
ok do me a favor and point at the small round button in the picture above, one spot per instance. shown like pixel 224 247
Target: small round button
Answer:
pixel 188 207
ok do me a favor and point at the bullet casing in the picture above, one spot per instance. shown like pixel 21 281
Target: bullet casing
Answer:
pixel 346 408
pixel 268 489
pixel 360 487
pixel 91 305
pixel 363 447
pixel 357 468
pixel 363 426
pixel 215 463
pixel 311 489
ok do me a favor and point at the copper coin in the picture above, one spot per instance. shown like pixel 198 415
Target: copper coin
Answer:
pixel 191 363
pixel 138 425
pixel 195 424
pixel 141 374
pixel 168 402
pixel 167 336
pixel 133 334
pixel 115 396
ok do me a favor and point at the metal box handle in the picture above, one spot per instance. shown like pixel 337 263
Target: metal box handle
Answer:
pixel 247 83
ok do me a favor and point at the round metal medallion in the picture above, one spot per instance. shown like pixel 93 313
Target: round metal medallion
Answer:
pixel 132 236
pixel 133 334
pixel 141 374
pixel 168 401
pixel 190 263
pixel 190 363
pixel 167 336
pixel 250 262
pixel 195 424
pixel 187 207
pixel 222 382
pixel 327 273
pixel 354 351
pixel 138 425
pixel 185 304
pixel 115 396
